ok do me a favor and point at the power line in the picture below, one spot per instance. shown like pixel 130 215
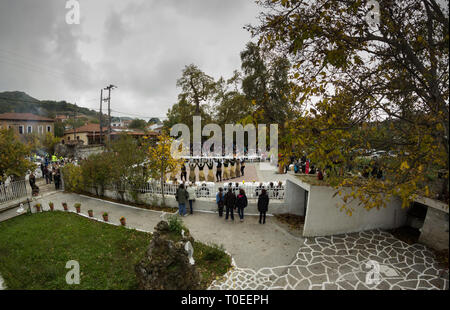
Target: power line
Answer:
pixel 138 115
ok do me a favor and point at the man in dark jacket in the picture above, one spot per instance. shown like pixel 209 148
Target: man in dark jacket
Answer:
pixel 229 202
pixel 241 203
pixel 263 206
pixel 182 196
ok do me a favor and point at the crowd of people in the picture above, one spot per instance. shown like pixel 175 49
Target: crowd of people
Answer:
pixel 226 169
pixel 50 169
pixel 230 201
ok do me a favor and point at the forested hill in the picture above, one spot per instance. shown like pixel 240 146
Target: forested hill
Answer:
pixel 20 102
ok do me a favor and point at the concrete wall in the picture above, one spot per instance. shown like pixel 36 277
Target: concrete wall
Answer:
pixel 323 215
pixel 86 150
pixel 203 204
pixel 435 229
pixel 295 198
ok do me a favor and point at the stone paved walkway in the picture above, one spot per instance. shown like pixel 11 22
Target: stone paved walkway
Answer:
pixel 342 263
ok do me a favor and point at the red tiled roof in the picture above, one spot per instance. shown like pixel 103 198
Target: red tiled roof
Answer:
pixel 87 128
pixel 131 133
pixel 24 117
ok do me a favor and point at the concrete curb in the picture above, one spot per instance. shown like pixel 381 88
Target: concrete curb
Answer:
pixel 136 208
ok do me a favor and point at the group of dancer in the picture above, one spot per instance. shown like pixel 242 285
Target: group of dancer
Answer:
pixel 226 169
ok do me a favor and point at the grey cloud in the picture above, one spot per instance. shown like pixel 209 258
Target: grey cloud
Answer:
pixel 139 45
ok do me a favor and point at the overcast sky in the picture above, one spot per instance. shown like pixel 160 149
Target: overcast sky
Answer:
pixel 139 45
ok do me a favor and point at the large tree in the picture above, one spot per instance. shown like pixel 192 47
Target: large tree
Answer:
pixel 161 161
pixel 358 67
pixel 197 87
pixel 13 155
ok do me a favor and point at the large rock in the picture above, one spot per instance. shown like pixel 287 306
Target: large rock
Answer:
pixel 166 263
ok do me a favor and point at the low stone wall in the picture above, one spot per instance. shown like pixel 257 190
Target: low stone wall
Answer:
pixel 435 229
pixel 202 204
pixel 323 216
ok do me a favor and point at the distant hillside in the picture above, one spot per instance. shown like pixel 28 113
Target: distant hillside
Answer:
pixel 20 102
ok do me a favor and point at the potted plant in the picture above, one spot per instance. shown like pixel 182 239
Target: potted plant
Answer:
pixel 105 216
pixel 51 205
pixel 91 213
pixel 122 221
pixel 38 207
pixel 78 207
pixel 64 204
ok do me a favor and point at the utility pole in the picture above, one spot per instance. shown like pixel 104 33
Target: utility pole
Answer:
pixel 101 101
pixel 109 110
pixel 74 122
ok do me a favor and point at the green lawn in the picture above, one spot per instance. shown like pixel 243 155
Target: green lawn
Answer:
pixel 34 250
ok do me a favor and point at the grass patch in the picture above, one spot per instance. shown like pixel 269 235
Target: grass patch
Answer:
pixel 34 250
pixel 212 262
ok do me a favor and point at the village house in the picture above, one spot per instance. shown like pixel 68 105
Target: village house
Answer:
pixel 89 134
pixel 26 123
pixel 85 134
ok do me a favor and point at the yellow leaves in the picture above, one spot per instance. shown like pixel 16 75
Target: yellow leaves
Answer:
pixel 427 191
pixel 404 166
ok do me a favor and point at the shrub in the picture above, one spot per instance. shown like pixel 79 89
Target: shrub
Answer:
pixel 96 171
pixel 176 224
pixel 214 252
pixel 73 179
pixel 77 205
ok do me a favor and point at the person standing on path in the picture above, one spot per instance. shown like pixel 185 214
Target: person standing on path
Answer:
pixel 242 166
pixel 263 206
pixel 183 176
pixel 47 179
pixel 238 168
pixel 230 203
pixel 201 174
pixel 210 176
pixel 241 203
pixel 219 171
pixel 232 169
pixel 182 196
pixel 191 193
pixel 32 180
pixel 192 166
pixel 220 201
pixel 57 178
pixel 226 174
pixel 42 170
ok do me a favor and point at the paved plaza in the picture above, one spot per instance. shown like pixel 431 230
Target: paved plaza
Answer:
pixel 344 263
pixel 252 172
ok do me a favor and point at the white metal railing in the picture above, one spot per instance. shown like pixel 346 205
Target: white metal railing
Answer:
pixel 209 189
pixel 13 190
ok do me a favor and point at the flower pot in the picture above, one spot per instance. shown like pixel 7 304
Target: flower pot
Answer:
pixel 38 208
pixel 123 222
pixel 51 207
pixel 91 213
pixel 65 206
pixel 105 218
pixel 78 209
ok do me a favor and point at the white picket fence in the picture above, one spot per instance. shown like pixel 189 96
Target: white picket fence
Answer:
pixel 13 190
pixel 209 189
